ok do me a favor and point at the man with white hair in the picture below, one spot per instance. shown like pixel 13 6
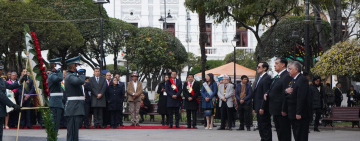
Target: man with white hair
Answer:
pixel 225 92
pixel 297 101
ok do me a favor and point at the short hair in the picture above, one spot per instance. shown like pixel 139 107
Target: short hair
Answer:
pixel 265 65
pixel 328 84
pixel 174 71
pixel 190 74
pixel 338 83
pixel 244 76
pixel 352 86
pixel 86 78
pixel 108 72
pixel 96 68
pixel 13 73
pixel 117 74
pixel 316 78
pixel 282 60
pixel 297 65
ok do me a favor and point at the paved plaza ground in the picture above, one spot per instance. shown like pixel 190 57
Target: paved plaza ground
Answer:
pixel 174 135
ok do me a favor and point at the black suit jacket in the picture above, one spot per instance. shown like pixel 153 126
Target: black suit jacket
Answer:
pixel 338 95
pixel 298 101
pixel 262 87
pixel 170 92
pixel 276 94
pixel 193 104
pixel 87 90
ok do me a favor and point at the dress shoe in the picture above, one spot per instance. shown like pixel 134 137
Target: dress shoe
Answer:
pixel 116 127
pixel 316 130
pixel 170 126
pixel 42 127
pixel 137 124
pixel 230 129
pixel 177 126
pixel 195 127
pixel 248 129
pixel 87 127
pixel 29 127
pixel 220 128
pixel 101 127
pixel 121 124
pixel 189 127
pixel 132 124
pixel 141 121
pixel 94 127
pixel 22 126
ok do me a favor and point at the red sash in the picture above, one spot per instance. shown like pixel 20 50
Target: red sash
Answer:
pixel 172 83
pixel 192 92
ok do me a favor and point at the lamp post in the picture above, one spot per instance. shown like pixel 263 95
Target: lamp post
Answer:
pixel 101 2
pixel 126 34
pixel 233 42
pixel 318 26
pixel 358 35
pixel 307 48
pixel 163 22
pixel 295 36
pixel 187 30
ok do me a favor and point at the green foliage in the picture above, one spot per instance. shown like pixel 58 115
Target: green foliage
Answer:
pixel 210 64
pixel 243 58
pixel 342 59
pixel 51 35
pixel 281 42
pixel 48 123
pixel 121 69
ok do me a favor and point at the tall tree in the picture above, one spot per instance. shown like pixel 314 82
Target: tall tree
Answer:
pixel 198 7
pixel 52 35
pixel 243 58
pixel 84 14
pixel 115 39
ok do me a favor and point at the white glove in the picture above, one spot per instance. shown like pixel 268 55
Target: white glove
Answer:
pixel 78 68
pixel 57 67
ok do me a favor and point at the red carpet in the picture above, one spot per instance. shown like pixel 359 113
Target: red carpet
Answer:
pixel 121 127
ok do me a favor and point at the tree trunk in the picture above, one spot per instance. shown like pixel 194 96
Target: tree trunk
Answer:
pixel 20 64
pixel 115 59
pixel 202 41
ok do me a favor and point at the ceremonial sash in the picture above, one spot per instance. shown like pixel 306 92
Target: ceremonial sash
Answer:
pixel 207 88
pixel 192 91
pixel 173 86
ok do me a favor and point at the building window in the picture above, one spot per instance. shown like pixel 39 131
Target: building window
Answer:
pixel 208 33
pixel 241 34
pixel 170 27
pixel 135 24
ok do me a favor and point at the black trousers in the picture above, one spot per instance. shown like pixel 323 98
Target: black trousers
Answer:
pixel 73 128
pixel 317 113
pixel 226 112
pixel 264 125
pixel 173 110
pixel 244 115
pixel 338 104
pixel 2 120
pixel 86 119
pixel 283 127
pixel 300 129
pixel 25 114
pixel 106 116
pixel 351 103
pixel 115 118
pixel 98 116
pixel 188 116
pixel 164 120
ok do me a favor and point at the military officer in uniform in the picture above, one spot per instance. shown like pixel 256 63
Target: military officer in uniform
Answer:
pixel 4 100
pixel 55 100
pixel 74 107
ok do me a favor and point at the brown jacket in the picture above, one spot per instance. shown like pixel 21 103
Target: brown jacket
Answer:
pixel 130 90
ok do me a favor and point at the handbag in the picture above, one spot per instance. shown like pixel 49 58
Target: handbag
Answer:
pixel 207 113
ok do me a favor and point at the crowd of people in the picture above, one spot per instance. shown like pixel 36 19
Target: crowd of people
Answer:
pixel 74 98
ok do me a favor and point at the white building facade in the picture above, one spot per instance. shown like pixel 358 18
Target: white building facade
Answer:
pixel 144 13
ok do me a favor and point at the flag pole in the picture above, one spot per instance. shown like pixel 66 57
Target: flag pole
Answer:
pixel 21 102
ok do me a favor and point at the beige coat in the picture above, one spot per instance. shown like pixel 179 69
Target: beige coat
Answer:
pixel 130 90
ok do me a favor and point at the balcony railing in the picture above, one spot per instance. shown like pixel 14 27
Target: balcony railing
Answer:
pixel 210 50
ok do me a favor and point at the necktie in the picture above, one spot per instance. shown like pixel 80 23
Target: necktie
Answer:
pixel 97 80
pixel 292 82
pixel 275 78
pixel 258 82
pixel 108 82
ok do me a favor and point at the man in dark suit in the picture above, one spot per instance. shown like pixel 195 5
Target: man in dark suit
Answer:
pixel 275 100
pixel 243 96
pixel 298 104
pixel 263 116
pixel 98 100
pixel 173 90
pixel 338 95
pixel 106 114
pixel 191 92
pixel 25 116
pixel 87 93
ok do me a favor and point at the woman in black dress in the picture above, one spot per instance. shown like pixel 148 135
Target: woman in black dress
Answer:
pixel 145 105
pixel 162 104
pixel 115 95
